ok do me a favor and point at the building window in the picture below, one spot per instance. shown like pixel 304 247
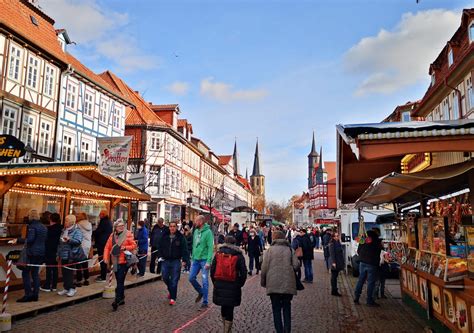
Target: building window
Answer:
pixel 456 114
pixel 471 32
pixel 103 111
pixel 68 147
pixel 433 79
pixel 45 136
pixel 32 78
pixel 406 116
pixel 9 120
pixel 155 143
pixel 28 130
pixel 450 57
pixel 89 104
pixel 154 175
pixel 49 78
pixel 470 94
pixel 86 150
pixel 116 118
pixel 445 111
pixel 14 70
pixel 71 96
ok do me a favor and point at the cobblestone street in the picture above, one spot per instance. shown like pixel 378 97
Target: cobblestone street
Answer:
pixel 313 310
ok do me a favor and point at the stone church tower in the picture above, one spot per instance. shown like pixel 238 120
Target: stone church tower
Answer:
pixel 257 179
pixel 313 161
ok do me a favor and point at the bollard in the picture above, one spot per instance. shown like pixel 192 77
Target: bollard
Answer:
pixel 6 318
pixel 109 291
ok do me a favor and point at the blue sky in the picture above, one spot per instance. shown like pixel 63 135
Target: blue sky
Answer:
pixel 276 70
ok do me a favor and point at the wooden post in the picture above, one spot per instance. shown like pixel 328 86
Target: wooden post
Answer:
pixel 67 205
pixel 129 216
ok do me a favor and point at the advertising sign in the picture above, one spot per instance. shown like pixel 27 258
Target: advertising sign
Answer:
pixel 114 154
pixel 10 148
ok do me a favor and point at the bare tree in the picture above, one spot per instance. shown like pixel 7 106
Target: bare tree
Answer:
pixel 213 196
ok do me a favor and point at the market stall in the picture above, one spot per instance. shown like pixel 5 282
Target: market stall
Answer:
pixel 63 188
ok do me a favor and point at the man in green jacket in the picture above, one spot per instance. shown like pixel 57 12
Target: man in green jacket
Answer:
pixel 203 250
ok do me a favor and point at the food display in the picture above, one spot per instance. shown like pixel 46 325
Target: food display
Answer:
pixel 456 269
pixel 424 234
pixel 424 262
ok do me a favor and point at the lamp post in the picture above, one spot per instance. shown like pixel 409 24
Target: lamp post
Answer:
pixel 29 151
pixel 189 201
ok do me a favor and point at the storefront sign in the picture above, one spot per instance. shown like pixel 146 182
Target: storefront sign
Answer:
pixel 114 153
pixel 415 162
pixel 14 255
pixel 10 148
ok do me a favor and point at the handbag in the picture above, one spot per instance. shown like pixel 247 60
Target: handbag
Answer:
pixel 77 254
pixel 299 285
pixel 131 258
pixel 299 252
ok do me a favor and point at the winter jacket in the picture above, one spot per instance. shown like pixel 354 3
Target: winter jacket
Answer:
pixel 176 248
pixel 142 239
pixel 336 255
pixel 86 229
pixel 36 239
pixel 278 269
pixel 229 293
pixel 305 243
pixel 128 244
pixel 203 244
pixel 237 234
pixel 325 242
pixel 254 246
pixel 369 253
pixel 189 242
pixel 157 234
pixel 52 240
pixel 102 233
pixel 72 246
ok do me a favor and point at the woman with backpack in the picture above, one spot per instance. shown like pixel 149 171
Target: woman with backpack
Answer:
pixel 228 274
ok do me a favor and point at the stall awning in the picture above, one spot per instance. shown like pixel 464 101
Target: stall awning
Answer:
pixel 215 212
pixel 407 188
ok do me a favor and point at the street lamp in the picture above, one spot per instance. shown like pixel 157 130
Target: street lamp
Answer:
pixel 189 201
pixel 29 151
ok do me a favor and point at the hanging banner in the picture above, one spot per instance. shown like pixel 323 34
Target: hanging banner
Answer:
pixel 114 153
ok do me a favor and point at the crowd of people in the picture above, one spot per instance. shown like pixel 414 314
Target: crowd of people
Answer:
pixel 195 249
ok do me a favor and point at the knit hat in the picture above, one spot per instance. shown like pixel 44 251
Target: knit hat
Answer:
pixel 70 219
pixel 118 221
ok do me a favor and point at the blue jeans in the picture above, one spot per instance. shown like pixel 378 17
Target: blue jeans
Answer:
pixel 196 266
pixel 120 275
pixel 170 272
pixel 142 261
pixel 316 244
pixel 34 273
pixel 368 272
pixel 281 303
pixel 308 269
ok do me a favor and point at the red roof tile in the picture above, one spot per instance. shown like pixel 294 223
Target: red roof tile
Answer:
pixel 164 107
pixel 224 159
pixel 16 16
pixel 182 122
pixel 244 182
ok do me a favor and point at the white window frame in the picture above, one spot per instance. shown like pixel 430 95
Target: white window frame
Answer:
pixel 68 147
pixel 28 129
pixel 469 94
pixel 471 31
pixel 71 95
pixel 445 109
pixel 9 123
pixel 404 114
pixel 86 149
pixel 103 110
pixel 450 57
pixel 32 72
pixel 89 104
pixel 116 115
pixel 44 147
pixel 456 112
pixel 154 175
pixel 49 80
pixel 155 141
pixel 433 79
pixel 15 62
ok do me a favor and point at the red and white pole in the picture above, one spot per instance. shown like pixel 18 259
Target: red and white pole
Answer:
pixel 109 291
pixel 5 318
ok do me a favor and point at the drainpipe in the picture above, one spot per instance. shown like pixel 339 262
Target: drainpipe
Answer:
pixel 459 96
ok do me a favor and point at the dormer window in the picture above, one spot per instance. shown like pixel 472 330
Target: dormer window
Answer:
pixel 433 79
pixel 450 57
pixel 471 32
pixel 406 116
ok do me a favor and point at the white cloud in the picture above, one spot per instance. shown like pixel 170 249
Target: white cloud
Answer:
pixel 400 57
pixel 100 31
pixel 178 88
pixel 225 92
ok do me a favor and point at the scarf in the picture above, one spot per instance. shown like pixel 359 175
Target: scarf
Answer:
pixel 66 231
pixel 117 242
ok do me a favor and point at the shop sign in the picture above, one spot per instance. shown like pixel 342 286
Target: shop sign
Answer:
pixel 10 148
pixel 415 162
pixel 14 255
pixel 114 152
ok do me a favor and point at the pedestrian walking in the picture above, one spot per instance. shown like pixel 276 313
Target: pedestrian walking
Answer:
pixel 100 235
pixel 52 242
pixel 369 259
pixel 325 242
pixel 261 235
pixel 383 272
pixel 317 238
pixel 83 268
pixel 255 250
pixel 35 244
pixel 203 249
pixel 69 252
pixel 141 237
pixel 120 240
pixel 308 255
pixel 336 259
pixel 237 234
pixel 278 277
pixel 157 233
pixel 188 235
pixel 228 274
pixel 174 251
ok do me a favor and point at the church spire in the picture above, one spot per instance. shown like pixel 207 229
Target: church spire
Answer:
pixel 321 166
pixel 313 148
pixel 247 174
pixel 256 162
pixel 235 158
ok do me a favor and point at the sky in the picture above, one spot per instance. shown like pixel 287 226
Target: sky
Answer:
pixel 276 70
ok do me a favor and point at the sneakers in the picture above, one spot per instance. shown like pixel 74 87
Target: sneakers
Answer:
pixel 198 298
pixel 100 280
pixel 45 290
pixel 204 306
pixel 71 293
pixel 172 301
pixel 63 292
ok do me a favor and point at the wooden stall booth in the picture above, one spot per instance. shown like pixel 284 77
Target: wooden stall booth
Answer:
pixel 63 188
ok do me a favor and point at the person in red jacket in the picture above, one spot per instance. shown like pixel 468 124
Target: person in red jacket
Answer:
pixel 119 241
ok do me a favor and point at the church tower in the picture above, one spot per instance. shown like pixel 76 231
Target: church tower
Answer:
pixel 313 160
pixel 321 176
pixel 257 179
pixel 235 159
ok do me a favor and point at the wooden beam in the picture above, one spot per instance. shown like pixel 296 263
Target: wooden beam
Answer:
pixel 116 202
pixel 8 184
